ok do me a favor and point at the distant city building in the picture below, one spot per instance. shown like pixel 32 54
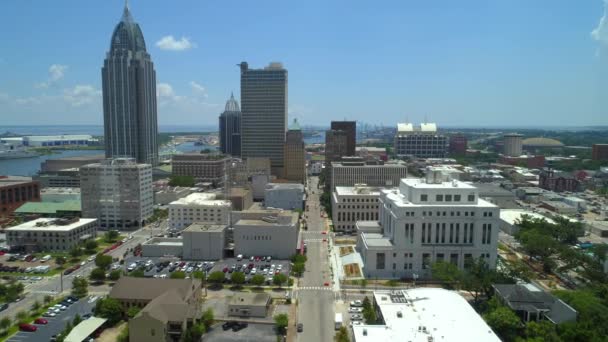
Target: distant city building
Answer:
pixel 170 194
pixel 531 162
pixel 230 128
pixel 599 152
pixel 352 204
pixel 204 167
pixel 60 164
pixel 541 144
pixel 423 315
pixel 315 167
pixel 51 234
pixel 421 142
pixel 287 196
pixel 426 221
pixel 66 178
pixel 294 154
pixel 512 145
pixel 15 191
pixel 350 128
pixel 558 181
pixel 198 207
pixel 349 173
pixel 268 232
pixel 51 140
pixel 458 145
pixel 118 192
pixel 241 198
pixel 370 152
pixel 336 146
pixel 129 95
pixel 264 113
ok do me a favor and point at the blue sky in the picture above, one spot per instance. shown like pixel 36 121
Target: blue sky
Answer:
pixel 458 63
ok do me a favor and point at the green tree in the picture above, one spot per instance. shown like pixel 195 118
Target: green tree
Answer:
pixel 279 279
pixel 60 261
pixel 369 314
pixel 281 321
pixel 342 335
pixel 447 273
pixel 207 318
pixel 257 280
pixel 48 299
pixel 35 306
pixel 237 278
pixel 115 275
pixel 137 273
pixel 111 236
pixel 298 269
pixel 178 275
pixel 98 274
pixel 110 309
pixel 504 322
pixel 103 261
pixel 91 245
pixel 133 311
pixel 198 275
pixel 187 181
pixel 363 283
pixel 77 320
pixel 124 335
pixel 544 331
pixel 22 317
pixel 75 252
pixel 5 323
pixel 298 258
pixel 216 277
pixel 197 331
pixel 80 287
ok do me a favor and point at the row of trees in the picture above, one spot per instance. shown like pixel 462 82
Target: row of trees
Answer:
pixel 299 262
pixel 11 291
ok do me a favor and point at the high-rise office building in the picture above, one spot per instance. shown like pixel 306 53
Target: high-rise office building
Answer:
pixel 129 95
pixel 230 128
pixel 336 145
pixel 512 144
pixel 118 192
pixel 350 129
pixel 295 160
pixel 421 141
pixel 264 113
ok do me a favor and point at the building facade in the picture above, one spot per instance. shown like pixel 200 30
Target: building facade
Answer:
pixel 421 142
pixel 426 221
pixel 294 154
pixel 599 152
pixel 268 232
pixel 336 146
pixel 350 129
pixel 558 181
pixel 352 204
pixel 51 234
pixel 284 196
pixel 513 144
pixel 264 113
pixel 15 191
pixel 118 192
pixel 198 207
pixel 230 128
pixel 203 167
pixel 129 95
pixel 204 241
pixel 380 174
pixel 458 145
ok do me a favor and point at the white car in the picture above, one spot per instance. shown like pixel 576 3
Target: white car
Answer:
pixel 163 276
pixel 357 317
pixel 83 263
pixel 55 310
pixel 355 323
pixel 356 303
pixel 355 310
pixel 63 308
pixel 253 271
pixel 91 258
pixel 50 314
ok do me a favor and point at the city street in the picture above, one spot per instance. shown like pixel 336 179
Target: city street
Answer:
pixel 315 300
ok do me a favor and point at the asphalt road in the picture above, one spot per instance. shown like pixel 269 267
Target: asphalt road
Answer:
pixel 56 324
pixel 316 301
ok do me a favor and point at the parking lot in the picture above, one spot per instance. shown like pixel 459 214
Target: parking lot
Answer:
pixel 55 324
pixel 163 267
pixel 253 333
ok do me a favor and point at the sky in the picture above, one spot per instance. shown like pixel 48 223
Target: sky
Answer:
pixel 461 63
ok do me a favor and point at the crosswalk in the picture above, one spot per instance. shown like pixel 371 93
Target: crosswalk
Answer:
pixel 315 288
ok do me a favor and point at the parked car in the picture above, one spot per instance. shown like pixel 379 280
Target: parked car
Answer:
pixel 27 327
pixel 49 314
pixel 41 321
pixel 239 326
pixel 355 310
pixel 356 303
pixel 300 327
pixel 357 317
pixel 228 325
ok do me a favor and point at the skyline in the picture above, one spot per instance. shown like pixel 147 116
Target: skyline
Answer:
pixel 545 64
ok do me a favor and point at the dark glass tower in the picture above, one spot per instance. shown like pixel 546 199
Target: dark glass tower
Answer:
pixel 230 128
pixel 129 95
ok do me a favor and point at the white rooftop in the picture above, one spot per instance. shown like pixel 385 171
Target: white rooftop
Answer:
pixel 201 198
pixel 48 224
pixel 424 315
pixel 357 190
pixel 426 127
pixel 512 215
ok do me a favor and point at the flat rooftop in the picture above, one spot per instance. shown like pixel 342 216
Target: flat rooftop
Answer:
pixel 423 315
pixel 13 180
pixel 201 198
pixel 284 186
pixel 254 299
pixel 420 183
pixel 357 190
pixel 204 227
pixel 512 215
pixel 50 224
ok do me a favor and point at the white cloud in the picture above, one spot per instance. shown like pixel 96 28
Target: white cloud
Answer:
pixel 81 94
pixel 198 89
pixel 170 43
pixel 56 73
pixel 600 33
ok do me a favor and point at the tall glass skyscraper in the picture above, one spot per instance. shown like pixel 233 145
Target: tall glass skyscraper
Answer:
pixel 230 128
pixel 129 95
pixel 264 113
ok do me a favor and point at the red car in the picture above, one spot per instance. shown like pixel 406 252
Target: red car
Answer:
pixel 250 266
pixel 326 284
pixel 323 232
pixel 225 269
pixel 40 321
pixel 27 327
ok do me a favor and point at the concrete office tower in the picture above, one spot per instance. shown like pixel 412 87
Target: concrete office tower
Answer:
pixel 118 192
pixel 264 113
pixel 350 129
pixel 129 95
pixel 512 144
pixel 294 154
pixel 421 141
pixel 230 128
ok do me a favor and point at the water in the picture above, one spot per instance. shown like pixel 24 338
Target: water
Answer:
pixel 31 166
pixel 96 130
